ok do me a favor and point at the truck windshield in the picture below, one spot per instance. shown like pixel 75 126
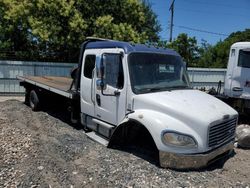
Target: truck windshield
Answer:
pixel 151 72
pixel 244 58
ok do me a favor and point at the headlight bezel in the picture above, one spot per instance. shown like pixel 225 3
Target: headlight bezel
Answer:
pixel 195 145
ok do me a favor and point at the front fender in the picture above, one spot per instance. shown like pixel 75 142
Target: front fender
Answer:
pixel 156 122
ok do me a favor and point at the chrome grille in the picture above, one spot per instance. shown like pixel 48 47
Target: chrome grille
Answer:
pixel 222 132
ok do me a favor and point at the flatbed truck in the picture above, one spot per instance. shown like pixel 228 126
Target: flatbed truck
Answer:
pixel 123 91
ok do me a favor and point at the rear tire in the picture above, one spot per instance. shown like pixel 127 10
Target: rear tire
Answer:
pixel 34 101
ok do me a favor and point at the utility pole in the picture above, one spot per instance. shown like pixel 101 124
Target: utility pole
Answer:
pixel 172 20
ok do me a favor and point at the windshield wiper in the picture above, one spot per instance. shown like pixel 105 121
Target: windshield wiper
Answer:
pixel 179 87
pixel 154 89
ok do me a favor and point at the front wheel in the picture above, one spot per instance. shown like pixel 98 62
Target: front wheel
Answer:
pixel 34 101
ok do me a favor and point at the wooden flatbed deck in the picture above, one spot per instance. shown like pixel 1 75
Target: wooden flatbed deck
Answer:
pixel 59 85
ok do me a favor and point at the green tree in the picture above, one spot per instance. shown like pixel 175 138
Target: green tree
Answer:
pixel 13 35
pixel 206 55
pixel 217 56
pixel 58 27
pixel 187 48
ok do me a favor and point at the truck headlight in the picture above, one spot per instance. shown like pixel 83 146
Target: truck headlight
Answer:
pixel 178 139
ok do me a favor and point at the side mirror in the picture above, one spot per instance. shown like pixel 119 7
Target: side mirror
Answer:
pixel 100 69
pixel 101 82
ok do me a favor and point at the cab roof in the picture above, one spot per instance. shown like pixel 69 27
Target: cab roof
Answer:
pixel 128 47
pixel 241 45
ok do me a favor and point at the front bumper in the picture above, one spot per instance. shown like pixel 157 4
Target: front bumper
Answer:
pixel 193 161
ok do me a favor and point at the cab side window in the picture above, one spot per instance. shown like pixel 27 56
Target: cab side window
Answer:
pixel 244 59
pixel 89 65
pixel 114 71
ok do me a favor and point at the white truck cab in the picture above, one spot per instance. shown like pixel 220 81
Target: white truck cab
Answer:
pixel 137 84
pixel 237 80
pixel 126 90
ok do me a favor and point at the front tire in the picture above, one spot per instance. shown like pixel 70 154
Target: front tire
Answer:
pixel 34 101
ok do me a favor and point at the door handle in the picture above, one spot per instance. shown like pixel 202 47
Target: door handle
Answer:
pixel 237 89
pixel 98 99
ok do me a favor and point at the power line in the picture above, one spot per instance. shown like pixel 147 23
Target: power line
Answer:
pixel 202 31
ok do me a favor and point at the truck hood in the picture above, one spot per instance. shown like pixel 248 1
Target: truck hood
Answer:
pixel 192 107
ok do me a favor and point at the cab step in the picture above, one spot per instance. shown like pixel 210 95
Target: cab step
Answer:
pixel 101 128
pixel 93 136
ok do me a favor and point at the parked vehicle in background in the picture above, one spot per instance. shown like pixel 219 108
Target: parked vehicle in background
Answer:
pixel 123 92
pixel 237 80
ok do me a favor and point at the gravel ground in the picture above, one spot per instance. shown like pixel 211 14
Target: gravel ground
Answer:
pixel 41 150
pixel 5 98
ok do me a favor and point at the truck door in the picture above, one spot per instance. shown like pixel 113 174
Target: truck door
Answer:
pixel 241 75
pixel 88 82
pixel 110 101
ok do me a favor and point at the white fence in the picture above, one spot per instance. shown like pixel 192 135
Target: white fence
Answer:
pixel 10 69
pixel 199 77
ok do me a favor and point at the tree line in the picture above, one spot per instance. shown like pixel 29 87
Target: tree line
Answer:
pixel 40 30
pixel 206 55
pixel 54 30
